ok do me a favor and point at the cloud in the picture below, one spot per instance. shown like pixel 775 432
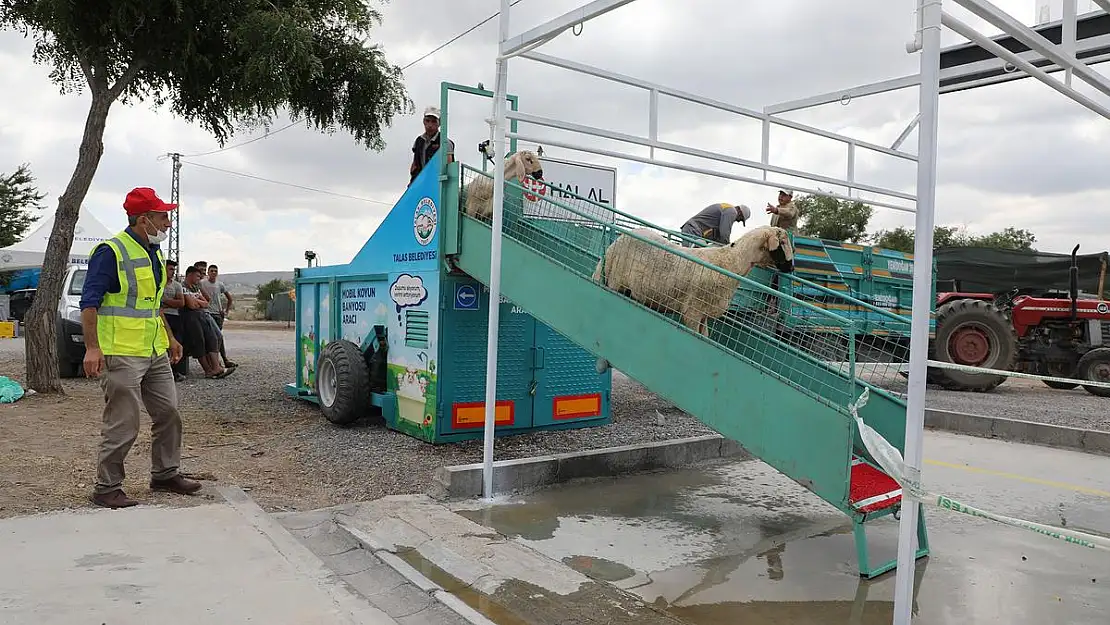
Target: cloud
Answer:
pixel 1011 155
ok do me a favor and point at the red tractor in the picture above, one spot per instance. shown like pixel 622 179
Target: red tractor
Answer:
pixel 1048 333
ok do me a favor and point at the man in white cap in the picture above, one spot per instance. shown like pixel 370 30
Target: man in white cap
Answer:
pixel 427 144
pixel 714 222
pixel 785 215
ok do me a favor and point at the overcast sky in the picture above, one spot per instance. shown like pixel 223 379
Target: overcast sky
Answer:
pixel 1011 155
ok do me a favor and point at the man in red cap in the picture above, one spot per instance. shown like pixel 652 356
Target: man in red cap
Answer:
pixel 126 344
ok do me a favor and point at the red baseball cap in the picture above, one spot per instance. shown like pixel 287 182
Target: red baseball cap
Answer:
pixel 143 199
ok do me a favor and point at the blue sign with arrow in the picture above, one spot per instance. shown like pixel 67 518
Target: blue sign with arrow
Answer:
pixel 466 297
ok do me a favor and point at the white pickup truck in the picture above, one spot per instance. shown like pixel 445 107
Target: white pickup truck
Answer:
pixel 71 340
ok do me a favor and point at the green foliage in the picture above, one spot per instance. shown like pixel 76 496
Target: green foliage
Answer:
pixel 900 239
pixel 1010 238
pixel 18 197
pixel 267 291
pixel 837 220
pixel 222 63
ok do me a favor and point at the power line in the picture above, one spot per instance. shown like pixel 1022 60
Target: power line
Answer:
pixel 239 145
pixel 288 184
pixel 459 36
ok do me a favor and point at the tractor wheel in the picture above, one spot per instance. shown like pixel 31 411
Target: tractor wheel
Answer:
pixel 976 334
pixel 1060 386
pixel 343 383
pixel 1095 366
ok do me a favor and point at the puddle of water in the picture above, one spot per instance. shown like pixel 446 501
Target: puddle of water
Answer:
pixel 650 495
pixel 599 568
pixel 480 602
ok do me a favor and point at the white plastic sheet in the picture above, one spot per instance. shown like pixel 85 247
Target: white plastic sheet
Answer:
pixel 890 460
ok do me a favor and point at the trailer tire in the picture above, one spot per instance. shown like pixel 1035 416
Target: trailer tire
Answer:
pixel 1095 366
pixel 988 338
pixel 343 383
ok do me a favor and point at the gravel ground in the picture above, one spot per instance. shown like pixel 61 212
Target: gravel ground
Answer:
pixel 333 465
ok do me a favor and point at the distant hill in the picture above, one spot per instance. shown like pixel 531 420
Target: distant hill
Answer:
pixel 249 282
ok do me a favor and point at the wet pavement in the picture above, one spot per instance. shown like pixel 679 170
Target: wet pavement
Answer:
pixel 737 542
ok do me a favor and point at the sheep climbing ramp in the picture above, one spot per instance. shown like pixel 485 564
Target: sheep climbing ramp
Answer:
pixel 743 369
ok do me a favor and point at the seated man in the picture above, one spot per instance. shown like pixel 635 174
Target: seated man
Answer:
pixel 714 222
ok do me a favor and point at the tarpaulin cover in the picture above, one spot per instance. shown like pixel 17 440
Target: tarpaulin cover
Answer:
pixel 989 270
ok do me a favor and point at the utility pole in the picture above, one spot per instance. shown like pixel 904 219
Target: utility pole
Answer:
pixel 174 250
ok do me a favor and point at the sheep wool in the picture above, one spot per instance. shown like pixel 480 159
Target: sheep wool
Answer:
pixel 666 282
pixel 479 191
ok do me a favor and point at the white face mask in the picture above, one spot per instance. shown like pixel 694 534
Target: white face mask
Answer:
pixel 158 238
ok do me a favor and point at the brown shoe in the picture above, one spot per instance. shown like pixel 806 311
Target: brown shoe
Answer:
pixel 114 499
pixel 176 484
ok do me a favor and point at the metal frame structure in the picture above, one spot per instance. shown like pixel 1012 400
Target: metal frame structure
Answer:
pixel 1039 53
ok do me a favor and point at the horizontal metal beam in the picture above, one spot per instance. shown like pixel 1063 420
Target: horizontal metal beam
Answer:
pixel 538 120
pixel 844 95
pixel 961 28
pixel 699 170
pixel 1000 19
pixel 550 29
pixel 709 102
pixel 957 77
pixel 1011 73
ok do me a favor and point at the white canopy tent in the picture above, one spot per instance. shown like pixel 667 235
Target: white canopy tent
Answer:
pixel 30 252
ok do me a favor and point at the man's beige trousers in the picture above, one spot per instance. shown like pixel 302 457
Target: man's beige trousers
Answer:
pixel 127 382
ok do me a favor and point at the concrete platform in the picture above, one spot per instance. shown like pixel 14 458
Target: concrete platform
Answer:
pixel 736 542
pixel 207 564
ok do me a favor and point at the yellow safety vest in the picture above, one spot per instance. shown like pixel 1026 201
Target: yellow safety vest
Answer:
pixel 128 323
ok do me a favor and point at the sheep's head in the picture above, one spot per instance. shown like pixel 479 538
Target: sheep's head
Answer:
pixel 526 163
pixel 780 252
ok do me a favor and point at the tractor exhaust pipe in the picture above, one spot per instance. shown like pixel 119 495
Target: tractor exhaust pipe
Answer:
pixel 1073 283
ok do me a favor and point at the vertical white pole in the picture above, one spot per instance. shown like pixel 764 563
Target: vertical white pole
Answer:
pixel 499 97
pixel 922 299
pixel 1067 35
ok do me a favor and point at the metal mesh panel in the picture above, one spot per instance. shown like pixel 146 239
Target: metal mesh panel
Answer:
pixel 810 336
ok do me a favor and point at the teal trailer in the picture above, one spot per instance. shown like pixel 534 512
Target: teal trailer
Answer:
pixel 397 332
pixel 870 286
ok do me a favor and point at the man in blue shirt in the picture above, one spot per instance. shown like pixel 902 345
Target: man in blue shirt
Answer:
pixel 714 222
pixel 128 380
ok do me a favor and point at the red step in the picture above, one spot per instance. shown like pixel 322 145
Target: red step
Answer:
pixel 870 489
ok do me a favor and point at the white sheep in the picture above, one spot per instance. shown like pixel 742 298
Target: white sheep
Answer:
pixel 666 282
pixel 479 191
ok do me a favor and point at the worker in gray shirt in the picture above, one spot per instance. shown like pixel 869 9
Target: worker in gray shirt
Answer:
pixel 714 222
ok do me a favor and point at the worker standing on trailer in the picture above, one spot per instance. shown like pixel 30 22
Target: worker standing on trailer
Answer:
pixel 785 215
pixel 427 144
pixel 714 222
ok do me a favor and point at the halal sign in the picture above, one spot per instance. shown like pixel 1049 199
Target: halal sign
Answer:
pixel 533 188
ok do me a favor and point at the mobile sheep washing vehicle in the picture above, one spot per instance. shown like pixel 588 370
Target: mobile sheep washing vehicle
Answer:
pixel 400 333
pixel 399 330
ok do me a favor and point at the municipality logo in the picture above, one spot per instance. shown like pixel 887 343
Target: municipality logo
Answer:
pixel 424 221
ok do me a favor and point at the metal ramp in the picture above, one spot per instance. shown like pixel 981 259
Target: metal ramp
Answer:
pixel 757 378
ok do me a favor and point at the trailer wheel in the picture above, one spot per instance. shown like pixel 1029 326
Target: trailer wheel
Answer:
pixel 1095 366
pixel 973 333
pixel 343 383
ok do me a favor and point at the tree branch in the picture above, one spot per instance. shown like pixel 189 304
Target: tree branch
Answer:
pixel 126 79
pixel 86 67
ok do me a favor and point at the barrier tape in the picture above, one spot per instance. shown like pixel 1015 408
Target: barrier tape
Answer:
pixel 1009 374
pixel 890 459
